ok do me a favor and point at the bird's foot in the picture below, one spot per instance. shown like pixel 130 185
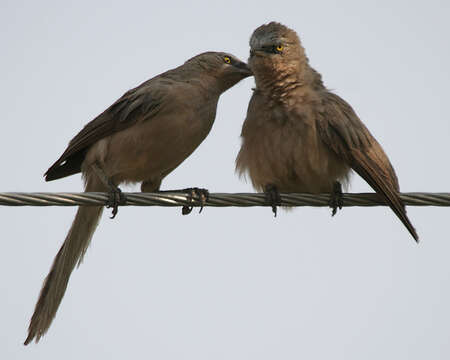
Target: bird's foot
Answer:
pixel 115 195
pixel 273 197
pixel 116 198
pixel 336 198
pixel 195 194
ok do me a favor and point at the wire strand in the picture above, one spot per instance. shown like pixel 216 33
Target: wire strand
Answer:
pixel 215 199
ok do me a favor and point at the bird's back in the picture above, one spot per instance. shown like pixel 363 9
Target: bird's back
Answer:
pixel 136 105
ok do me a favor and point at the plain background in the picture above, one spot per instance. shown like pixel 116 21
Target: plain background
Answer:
pixel 229 283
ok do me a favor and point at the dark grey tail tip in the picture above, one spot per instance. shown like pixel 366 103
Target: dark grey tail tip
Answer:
pixel 51 177
pixel 30 338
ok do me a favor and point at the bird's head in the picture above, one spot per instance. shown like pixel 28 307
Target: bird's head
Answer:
pixel 225 68
pixel 275 49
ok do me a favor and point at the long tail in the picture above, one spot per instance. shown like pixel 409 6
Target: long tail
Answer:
pixel 71 253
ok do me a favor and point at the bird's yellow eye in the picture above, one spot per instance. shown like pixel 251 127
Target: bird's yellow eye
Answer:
pixel 227 60
pixel 280 48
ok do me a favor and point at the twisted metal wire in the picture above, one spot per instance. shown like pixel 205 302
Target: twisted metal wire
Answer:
pixel 215 199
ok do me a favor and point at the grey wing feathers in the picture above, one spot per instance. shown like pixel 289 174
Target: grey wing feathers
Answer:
pixel 342 131
pixel 134 105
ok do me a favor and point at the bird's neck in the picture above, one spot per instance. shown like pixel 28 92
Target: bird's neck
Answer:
pixel 281 85
pixel 208 86
pixel 192 73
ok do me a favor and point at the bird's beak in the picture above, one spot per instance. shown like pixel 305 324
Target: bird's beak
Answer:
pixel 256 52
pixel 243 68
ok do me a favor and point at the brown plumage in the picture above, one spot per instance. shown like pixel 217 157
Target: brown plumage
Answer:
pixel 142 137
pixel 300 137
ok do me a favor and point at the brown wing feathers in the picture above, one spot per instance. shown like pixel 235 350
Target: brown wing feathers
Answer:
pixel 351 140
pixel 120 115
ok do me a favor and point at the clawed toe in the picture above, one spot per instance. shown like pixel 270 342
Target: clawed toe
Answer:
pixel 116 198
pixel 273 198
pixel 336 198
pixel 195 194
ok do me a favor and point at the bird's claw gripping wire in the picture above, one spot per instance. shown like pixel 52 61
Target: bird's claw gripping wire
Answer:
pixel 115 198
pixel 336 198
pixel 195 194
pixel 115 195
pixel 273 198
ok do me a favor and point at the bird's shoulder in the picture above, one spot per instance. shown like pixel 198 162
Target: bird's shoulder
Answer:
pixel 338 122
pixel 135 105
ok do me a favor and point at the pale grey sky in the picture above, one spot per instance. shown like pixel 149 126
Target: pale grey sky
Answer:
pixel 229 283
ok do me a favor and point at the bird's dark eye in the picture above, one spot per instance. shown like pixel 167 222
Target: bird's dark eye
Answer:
pixel 227 59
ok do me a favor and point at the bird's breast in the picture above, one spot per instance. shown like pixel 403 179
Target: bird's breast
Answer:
pixel 283 149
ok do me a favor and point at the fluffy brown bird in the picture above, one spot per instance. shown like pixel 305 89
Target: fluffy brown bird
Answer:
pixel 300 137
pixel 142 137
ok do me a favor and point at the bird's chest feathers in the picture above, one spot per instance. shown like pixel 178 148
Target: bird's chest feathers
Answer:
pixel 286 150
pixel 285 128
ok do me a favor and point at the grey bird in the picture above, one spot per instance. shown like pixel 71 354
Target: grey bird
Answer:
pixel 300 137
pixel 142 137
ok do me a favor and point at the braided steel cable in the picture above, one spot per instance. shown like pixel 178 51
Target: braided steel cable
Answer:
pixel 215 199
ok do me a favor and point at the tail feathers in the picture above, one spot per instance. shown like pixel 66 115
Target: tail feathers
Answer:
pixel 70 253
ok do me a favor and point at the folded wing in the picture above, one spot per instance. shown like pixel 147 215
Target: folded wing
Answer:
pixel 344 133
pixel 138 104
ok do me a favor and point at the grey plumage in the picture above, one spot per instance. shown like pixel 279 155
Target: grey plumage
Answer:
pixel 300 137
pixel 142 137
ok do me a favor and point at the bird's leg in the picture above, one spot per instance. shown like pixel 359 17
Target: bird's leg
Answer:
pixel 193 194
pixel 272 197
pixel 336 200
pixel 116 197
